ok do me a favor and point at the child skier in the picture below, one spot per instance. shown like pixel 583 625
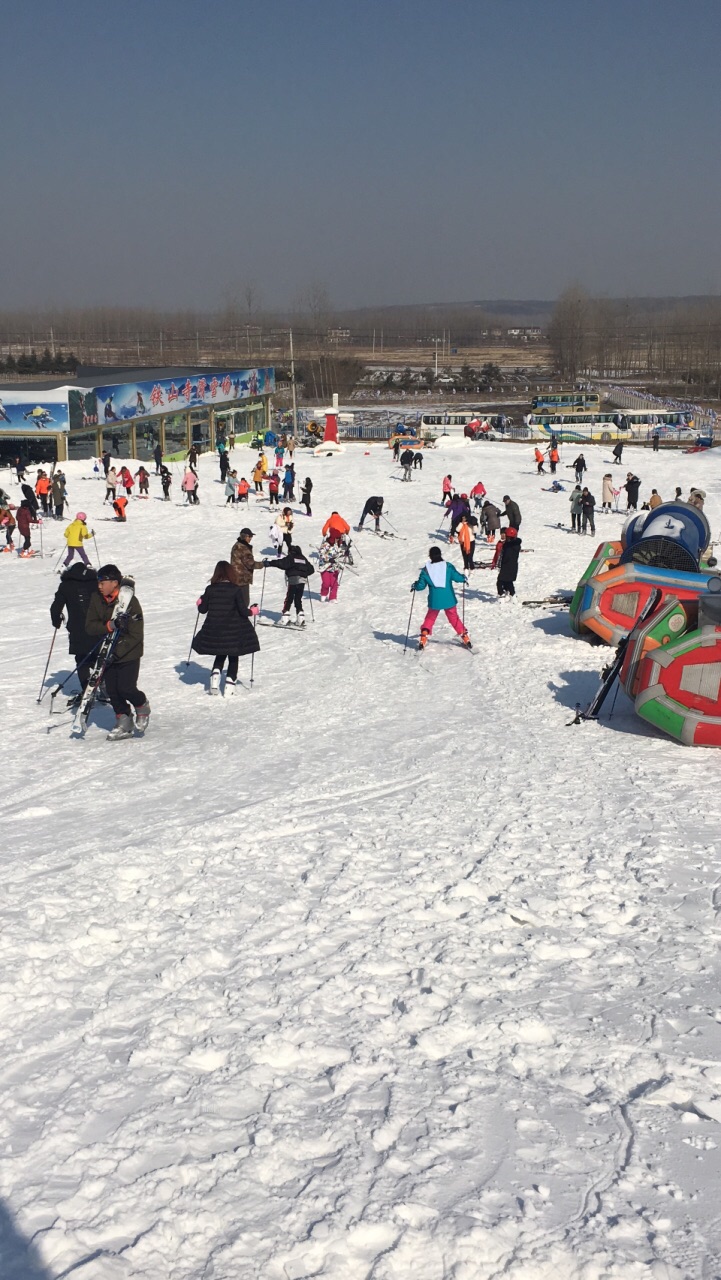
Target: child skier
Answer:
pixel 274 489
pixel 505 560
pixel 447 489
pixel 75 535
pixel 438 576
pixel 478 493
pixel 330 563
pixel 127 481
pixel 466 541
pixel 297 570
pixel 243 490
pixel 166 480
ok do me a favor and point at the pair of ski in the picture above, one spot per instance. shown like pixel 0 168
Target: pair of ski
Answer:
pixel 103 658
pixel 282 626
pixel 611 672
pixel 562 599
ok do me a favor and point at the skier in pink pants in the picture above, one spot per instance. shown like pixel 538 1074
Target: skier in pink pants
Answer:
pixel 437 575
pixel 330 565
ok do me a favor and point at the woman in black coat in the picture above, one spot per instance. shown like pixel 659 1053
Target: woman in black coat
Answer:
pixel 226 632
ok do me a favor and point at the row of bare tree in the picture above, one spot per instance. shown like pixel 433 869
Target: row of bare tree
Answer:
pixel 673 342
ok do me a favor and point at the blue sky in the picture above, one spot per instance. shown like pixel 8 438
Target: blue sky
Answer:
pixel 163 154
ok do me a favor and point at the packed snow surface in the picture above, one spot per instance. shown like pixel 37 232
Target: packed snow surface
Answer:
pixel 378 969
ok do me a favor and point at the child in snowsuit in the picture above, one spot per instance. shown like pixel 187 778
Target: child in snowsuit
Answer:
pixel 127 481
pixel 297 570
pixel 75 535
pixel 330 564
pixel 166 480
pixel 438 576
pixel 243 490
pixel 478 493
pixel 505 560
pixel 25 517
pixel 7 522
pixel 447 489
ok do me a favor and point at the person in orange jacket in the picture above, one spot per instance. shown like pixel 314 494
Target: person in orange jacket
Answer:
pixel 553 456
pixel 466 542
pixel 119 508
pixel 539 462
pixel 43 487
pixel 335 528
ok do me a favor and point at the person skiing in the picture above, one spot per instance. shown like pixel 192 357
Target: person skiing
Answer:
pixel 25 517
pixel 373 507
pixel 588 503
pixel 224 464
pixel 279 451
pixel 632 486
pixel 231 488
pixel 457 508
pixel 447 490
pixel 111 484
pixel 226 632
pixel 505 559
pixel 490 519
pixel 335 528
pixel 540 469
pixel 330 564
pixel 289 483
pixel 466 541
pixel 119 508
pixel 166 480
pixel 618 451
pixel 43 488
pixel 75 590
pixel 297 570
pixel 243 563
pixel 576 500
pixel 607 492
pixel 158 458
pixel 59 495
pixel 121 675
pixel 579 466
pixel 189 485
pixel 512 511
pixel 274 489
pixel 478 493
pixel 143 478
pixel 76 534
pixel 305 492
pixel 438 576
pixel 406 461
pixel 397 448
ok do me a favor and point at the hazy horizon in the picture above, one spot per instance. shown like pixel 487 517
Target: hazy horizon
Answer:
pixel 164 156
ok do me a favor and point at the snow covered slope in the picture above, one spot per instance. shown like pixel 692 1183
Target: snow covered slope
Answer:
pixel 379 969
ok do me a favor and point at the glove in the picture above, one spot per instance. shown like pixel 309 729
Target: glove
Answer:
pixel 198 602
pixel 254 610
pixel 413 586
pixel 121 622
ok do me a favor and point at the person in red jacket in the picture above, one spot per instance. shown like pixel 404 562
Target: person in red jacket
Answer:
pixel 335 528
pixel 24 519
pixel 126 480
pixel 478 493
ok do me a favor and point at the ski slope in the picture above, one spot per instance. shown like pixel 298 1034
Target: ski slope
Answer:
pixel 377 970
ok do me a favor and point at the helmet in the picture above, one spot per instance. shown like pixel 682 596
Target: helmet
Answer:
pixel 511 533
pixel 81 516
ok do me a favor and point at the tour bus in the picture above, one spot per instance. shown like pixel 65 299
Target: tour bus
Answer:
pixel 566 402
pixel 620 423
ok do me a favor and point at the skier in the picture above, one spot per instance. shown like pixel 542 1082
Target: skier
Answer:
pixel 111 484
pixel 226 632
pixel 540 470
pixel 330 564
pixel 305 492
pixel 447 490
pixel 279 451
pixel 438 576
pixel 588 502
pixel 121 675
pixel 43 488
pixel 607 492
pixel 406 461
pixel 75 591
pixel 396 448
pixel 189 485
pixel 224 463
pixel 618 451
pixel 457 507
pixel 512 511
pixel 478 493
pixel 243 490
pixel 158 457
pixel 243 562
pixel 24 518
pixel 466 541
pixel 373 507
pixel 166 480
pixel 576 500
pixel 579 466
pixel 335 528
pixel 143 478
pixel 258 474
pixel 75 535
pixel 490 519
pixel 60 496
pixel 119 508
pixel 297 570
pixel 505 559
pixel 231 487
pixel 632 486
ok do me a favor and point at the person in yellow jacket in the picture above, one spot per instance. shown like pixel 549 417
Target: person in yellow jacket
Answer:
pixel 263 463
pixel 258 474
pixel 75 535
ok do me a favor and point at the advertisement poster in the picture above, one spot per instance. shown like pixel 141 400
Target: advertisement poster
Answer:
pixel 125 401
pixel 29 410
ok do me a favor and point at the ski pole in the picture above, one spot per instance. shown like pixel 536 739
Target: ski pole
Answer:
pixel 463 605
pixel 96 550
pixel 195 628
pixel 262 593
pixel 40 525
pixel 408 628
pixel 384 517
pixel 47 664
pixel 57 562
pixel 61 686
pixel 310 601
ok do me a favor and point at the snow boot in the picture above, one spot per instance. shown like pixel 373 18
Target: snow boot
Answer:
pixel 423 639
pixel 142 716
pixel 214 686
pixel 466 639
pixel 229 688
pixel 123 729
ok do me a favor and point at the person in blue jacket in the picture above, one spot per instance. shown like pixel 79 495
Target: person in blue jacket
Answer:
pixel 437 575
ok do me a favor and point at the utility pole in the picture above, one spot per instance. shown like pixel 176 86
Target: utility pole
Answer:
pixel 161 346
pixel 374 342
pixel 292 383
pixel 52 343
pixel 197 345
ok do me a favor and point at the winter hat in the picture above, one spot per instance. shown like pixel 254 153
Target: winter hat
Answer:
pixel 109 573
pixel 244 533
pixel 435 554
pixel 81 516
pixel 511 533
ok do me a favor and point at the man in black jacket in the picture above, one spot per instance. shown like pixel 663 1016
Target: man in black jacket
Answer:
pixel 513 512
pixel 588 502
pixel 373 507
pixel 75 591
pixel 632 486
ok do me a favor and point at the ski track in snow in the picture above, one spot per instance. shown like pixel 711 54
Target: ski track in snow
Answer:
pixel 380 969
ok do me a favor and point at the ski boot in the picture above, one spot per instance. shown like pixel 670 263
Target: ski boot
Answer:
pixel 74 702
pixel 214 686
pixel 423 639
pixel 466 640
pixel 123 729
pixel 229 688
pixel 299 620
pixel 142 716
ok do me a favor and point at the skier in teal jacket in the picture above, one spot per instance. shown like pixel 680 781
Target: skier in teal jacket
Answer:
pixel 438 576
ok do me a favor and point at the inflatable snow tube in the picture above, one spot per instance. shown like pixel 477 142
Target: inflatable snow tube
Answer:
pixel 666 624
pixel 679 688
pixel 604 557
pixel 610 602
